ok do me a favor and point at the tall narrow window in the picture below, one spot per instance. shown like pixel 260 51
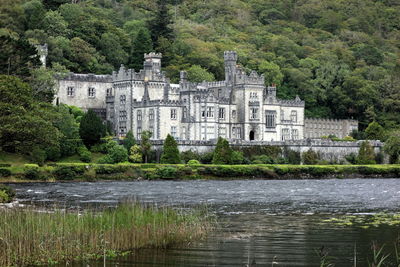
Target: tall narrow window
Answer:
pixel 293 116
pixel 183 133
pixel 122 115
pixel 139 133
pixel 70 91
pixel 295 134
pixel 270 121
pixel 184 113
pixel 221 113
pixel 210 112
pixel 151 114
pixel 151 130
pixel 173 113
pixel 91 92
pixel 203 111
pixel 173 131
pixel 139 115
pixel 253 113
pixel 282 115
pixel 285 134
pixel 109 91
pixel 122 99
pixel 234 114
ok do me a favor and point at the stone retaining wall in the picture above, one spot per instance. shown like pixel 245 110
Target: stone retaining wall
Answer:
pixel 328 150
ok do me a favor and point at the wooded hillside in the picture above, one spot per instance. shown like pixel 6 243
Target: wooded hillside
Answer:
pixel 340 56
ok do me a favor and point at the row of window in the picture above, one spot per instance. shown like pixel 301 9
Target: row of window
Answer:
pixel 325 126
pixel 91 92
pixel 270 115
pixel 290 135
pixel 209 132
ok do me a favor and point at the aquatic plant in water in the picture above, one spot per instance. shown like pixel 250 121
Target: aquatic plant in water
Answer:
pixel 30 237
pixel 365 221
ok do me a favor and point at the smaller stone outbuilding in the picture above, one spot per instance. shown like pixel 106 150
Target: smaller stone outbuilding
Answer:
pixel 317 128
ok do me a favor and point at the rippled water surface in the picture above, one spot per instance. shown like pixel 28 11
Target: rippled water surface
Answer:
pixel 260 221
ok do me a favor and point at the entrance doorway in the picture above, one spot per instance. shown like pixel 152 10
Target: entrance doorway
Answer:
pixel 251 136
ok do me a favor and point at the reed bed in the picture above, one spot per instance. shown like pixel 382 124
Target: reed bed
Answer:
pixel 29 237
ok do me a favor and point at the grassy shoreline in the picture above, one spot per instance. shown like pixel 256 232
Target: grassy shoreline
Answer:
pixel 94 172
pixel 29 237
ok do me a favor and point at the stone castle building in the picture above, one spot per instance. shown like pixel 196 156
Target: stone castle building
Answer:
pixel 237 108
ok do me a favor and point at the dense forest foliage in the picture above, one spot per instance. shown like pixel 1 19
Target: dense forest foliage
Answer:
pixel 340 56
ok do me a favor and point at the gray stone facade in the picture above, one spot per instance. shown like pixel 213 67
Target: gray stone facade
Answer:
pixel 316 128
pixel 238 108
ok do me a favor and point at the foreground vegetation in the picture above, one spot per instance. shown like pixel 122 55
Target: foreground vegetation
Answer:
pixel 28 237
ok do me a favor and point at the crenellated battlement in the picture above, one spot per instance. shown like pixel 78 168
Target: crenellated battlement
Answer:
pixel 88 77
pixel 152 55
pixel 230 56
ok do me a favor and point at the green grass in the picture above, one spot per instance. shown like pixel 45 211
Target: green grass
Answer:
pixel 28 237
pixel 14 159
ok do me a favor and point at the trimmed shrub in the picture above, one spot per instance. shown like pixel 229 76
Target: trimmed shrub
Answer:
pixel 118 154
pixel 84 154
pixel 262 159
pixel 186 156
pixel 167 173
pixel 193 162
pixel 206 158
pixel 310 157
pixel 31 171
pixel 4 172
pixel 237 157
pixel 68 172
pixel 111 169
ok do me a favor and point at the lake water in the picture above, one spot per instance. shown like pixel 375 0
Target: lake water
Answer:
pixel 259 221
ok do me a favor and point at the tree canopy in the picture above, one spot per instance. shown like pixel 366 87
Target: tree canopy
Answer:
pixel 341 57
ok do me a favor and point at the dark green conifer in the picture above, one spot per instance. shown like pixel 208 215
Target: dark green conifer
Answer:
pixel 141 45
pixel 91 128
pixel 170 151
pixel 222 152
pixel 129 141
pixel 366 154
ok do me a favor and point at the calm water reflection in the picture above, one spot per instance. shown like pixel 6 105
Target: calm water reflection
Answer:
pixel 258 220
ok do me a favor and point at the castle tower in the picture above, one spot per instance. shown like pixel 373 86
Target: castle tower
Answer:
pixel 152 60
pixel 230 59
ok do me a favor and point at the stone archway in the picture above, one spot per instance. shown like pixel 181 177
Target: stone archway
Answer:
pixel 252 135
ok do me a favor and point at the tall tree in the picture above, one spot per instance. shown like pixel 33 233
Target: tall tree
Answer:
pixel 129 141
pixel 141 45
pixel 366 154
pixel 222 152
pixel 17 56
pixel 24 123
pixel 145 145
pixel 375 131
pixel 170 151
pixel 91 128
